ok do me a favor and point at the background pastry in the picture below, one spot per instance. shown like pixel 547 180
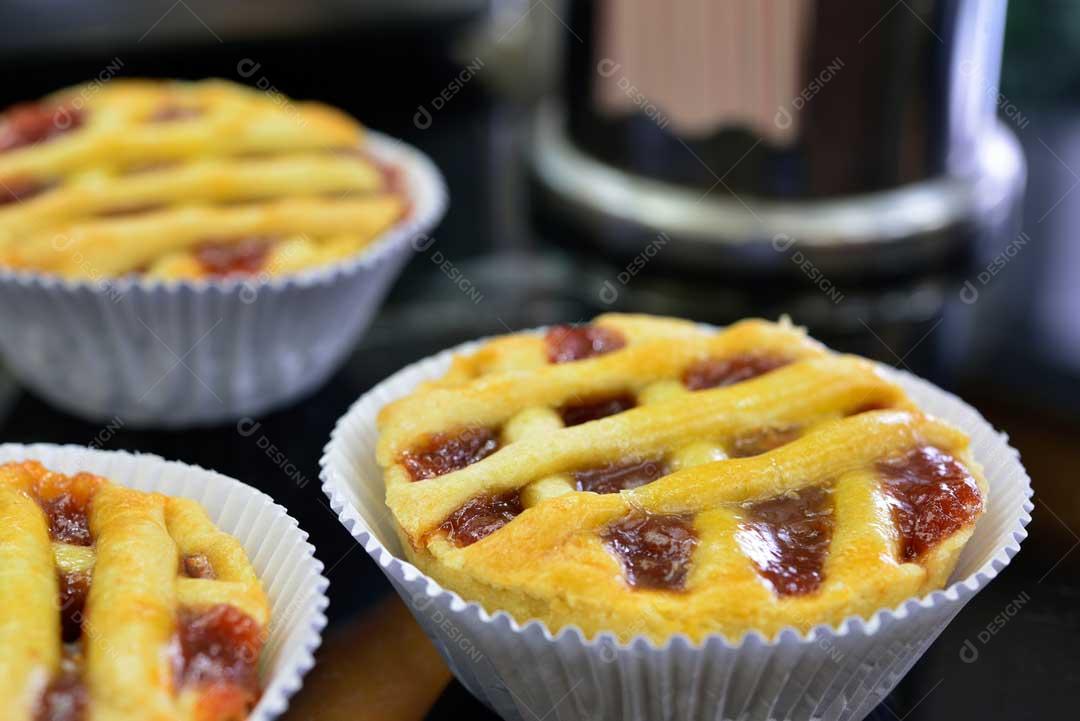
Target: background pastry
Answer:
pixel 186 180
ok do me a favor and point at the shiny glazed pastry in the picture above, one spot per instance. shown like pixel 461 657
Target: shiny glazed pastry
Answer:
pixel 180 180
pixel 646 476
pixel 120 605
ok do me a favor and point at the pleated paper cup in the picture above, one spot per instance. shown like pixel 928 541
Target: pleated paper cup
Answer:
pixel 283 559
pixel 523 670
pixel 184 353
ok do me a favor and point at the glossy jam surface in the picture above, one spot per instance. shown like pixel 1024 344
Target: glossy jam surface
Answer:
pixel 66 697
pixel 74 587
pixel 68 512
pixel 16 190
pixel 787 538
pixel 932 496
pixel 617 477
pixel 444 452
pixel 238 256
pixel 576 413
pixel 566 343
pixel 220 645
pixel 30 123
pixel 481 516
pixel 197 565
pixel 716 372
pixel 762 440
pixel 655 550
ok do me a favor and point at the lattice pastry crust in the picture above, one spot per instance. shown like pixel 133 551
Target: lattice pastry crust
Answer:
pixel 186 180
pixel 161 616
pixel 643 475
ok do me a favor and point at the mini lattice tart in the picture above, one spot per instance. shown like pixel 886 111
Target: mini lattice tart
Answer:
pixel 119 605
pixel 647 476
pixel 184 180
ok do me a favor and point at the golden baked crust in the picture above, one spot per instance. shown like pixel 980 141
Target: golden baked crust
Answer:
pixel 185 180
pixel 766 482
pixel 127 647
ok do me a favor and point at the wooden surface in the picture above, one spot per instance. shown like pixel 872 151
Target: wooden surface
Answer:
pixel 377 667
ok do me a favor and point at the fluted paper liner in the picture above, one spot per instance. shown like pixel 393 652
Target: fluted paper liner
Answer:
pixel 182 353
pixel 523 671
pixel 278 549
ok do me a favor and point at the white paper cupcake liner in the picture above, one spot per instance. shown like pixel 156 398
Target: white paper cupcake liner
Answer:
pixel 523 671
pixel 283 559
pixel 177 354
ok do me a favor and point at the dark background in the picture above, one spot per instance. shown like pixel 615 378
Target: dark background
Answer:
pixel 380 61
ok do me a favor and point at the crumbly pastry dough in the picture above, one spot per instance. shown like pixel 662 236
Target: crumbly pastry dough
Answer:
pixel 136 176
pixel 126 660
pixel 821 428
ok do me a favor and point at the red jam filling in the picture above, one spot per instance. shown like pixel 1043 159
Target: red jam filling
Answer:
pixel 238 256
pixel 574 414
pixel 66 697
pixel 932 496
pixel 481 516
pixel 197 565
pixel 16 190
pixel 762 440
pixel 654 549
pixel 67 509
pixel 567 343
pixel 444 453
pixel 617 477
pixel 29 123
pixel 74 588
pixel 787 538
pixel 220 646
pixel 715 372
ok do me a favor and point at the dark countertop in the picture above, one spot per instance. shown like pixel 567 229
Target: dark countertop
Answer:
pixel 1014 652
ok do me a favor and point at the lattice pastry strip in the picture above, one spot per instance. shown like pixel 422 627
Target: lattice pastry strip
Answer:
pixel 797 396
pixel 185 180
pixel 173 615
pixel 795 492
